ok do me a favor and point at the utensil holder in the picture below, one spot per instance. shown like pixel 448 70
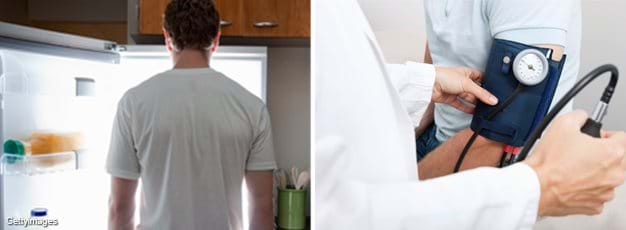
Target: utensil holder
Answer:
pixel 291 204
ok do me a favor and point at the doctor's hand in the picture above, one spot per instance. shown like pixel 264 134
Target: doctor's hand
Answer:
pixel 460 88
pixel 577 173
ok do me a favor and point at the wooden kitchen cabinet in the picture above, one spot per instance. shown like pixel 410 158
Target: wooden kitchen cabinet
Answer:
pixel 231 12
pixel 277 18
pixel 242 18
pixel 151 16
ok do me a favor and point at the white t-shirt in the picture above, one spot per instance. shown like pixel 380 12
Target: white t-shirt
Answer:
pixel 460 33
pixel 190 135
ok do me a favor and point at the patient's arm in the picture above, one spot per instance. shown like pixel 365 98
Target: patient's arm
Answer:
pixel 441 161
pixel 557 51
pixel 427 58
pixel 484 152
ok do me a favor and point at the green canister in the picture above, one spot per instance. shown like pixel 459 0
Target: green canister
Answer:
pixel 16 148
pixel 291 204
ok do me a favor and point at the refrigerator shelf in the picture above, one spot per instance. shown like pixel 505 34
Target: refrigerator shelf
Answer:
pixel 31 165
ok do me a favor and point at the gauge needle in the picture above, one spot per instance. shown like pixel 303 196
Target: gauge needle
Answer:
pixel 524 62
pixel 530 67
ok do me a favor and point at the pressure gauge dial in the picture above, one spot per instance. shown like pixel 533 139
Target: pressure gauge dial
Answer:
pixel 530 67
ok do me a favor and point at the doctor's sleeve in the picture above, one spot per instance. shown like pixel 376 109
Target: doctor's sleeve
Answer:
pixel 485 198
pixel 530 21
pixel 122 159
pixel 414 83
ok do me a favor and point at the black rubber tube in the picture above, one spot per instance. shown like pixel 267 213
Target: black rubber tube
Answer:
pixel 490 116
pixel 580 85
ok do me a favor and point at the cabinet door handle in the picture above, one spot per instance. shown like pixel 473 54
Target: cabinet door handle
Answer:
pixel 265 24
pixel 224 23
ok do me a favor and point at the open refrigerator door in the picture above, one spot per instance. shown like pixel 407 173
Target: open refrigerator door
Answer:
pixel 62 91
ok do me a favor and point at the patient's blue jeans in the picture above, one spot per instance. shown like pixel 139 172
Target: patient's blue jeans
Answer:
pixel 426 142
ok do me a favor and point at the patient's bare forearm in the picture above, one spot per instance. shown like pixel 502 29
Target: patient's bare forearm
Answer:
pixel 441 161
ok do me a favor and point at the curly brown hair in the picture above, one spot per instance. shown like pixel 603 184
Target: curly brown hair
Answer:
pixel 191 24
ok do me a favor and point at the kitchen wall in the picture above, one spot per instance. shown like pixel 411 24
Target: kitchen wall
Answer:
pixel 288 98
pixel 289 104
pixel 399 27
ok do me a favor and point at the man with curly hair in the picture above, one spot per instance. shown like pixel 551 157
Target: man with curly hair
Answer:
pixel 191 135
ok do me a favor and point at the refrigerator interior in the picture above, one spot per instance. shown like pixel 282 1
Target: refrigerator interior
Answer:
pixel 39 93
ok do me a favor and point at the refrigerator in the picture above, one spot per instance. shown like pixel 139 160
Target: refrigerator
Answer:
pixel 52 82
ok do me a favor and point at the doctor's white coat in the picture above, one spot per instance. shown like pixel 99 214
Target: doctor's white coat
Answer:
pixel 366 172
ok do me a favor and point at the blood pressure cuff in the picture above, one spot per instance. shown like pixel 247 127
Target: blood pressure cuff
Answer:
pixel 515 122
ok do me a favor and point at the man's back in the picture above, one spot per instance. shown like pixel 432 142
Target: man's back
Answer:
pixel 190 135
